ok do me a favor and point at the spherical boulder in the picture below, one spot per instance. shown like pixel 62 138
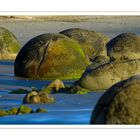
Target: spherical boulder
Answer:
pixel 125 46
pixel 51 56
pixel 106 75
pixel 9 46
pixel 93 43
pixel 120 104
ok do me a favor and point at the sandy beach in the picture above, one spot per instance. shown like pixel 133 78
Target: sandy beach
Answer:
pixel 26 28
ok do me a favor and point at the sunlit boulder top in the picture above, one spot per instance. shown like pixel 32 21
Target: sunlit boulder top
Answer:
pixel 125 46
pixel 93 43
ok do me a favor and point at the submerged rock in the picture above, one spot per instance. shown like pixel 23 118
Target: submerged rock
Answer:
pixel 21 110
pixel 12 111
pixel 3 113
pixel 24 110
pixel 9 46
pixel 51 56
pixel 19 91
pixel 104 76
pixel 93 43
pixel 125 46
pixel 120 104
pixel 40 110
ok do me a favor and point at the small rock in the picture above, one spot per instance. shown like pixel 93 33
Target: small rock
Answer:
pixel 41 110
pixel 24 110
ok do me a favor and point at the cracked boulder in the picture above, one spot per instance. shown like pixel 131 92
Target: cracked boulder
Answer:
pixel 120 104
pixel 93 43
pixel 106 75
pixel 125 46
pixel 51 56
pixel 9 46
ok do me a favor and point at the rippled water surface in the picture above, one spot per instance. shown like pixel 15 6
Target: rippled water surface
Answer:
pixel 68 109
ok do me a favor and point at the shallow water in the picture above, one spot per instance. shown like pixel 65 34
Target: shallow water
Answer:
pixel 68 109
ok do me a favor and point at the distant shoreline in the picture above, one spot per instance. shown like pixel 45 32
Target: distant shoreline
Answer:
pixel 69 18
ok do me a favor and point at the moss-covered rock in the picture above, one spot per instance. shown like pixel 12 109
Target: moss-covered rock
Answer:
pixel 51 56
pixel 120 104
pixel 12 111
pixel 38 97
pixel 55 85
pixel 24 110
pixel 9 46
pixel 3 113
pixel 77 90
pixel 19 91
pixel 104 76
pixel 125 46
pixel 41 110
pixel 93 43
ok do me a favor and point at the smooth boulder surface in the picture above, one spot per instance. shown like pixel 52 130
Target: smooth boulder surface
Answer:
pixel 93 43
pixel 9 45
pixel 97 62
pixel 51 56
pixel 125 46
pixel 120 104
pixel 104 76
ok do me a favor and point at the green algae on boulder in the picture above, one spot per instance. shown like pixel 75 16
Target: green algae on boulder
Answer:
pixel 9 46
pixel 104 76
pixel 120 104
pixel 93 43
pixel 125 46
pixel 51 56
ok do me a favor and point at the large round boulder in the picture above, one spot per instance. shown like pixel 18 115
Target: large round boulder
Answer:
pixel 120 104
pixel 106 75
pixel 51 56
pixel 93 43
pixel 125 46
pixel 9 46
